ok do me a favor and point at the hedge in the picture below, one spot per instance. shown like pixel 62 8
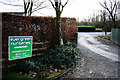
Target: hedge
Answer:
pixel 41 28
pixel 86 28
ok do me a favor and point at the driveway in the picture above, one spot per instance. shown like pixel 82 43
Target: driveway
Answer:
pixel 97 60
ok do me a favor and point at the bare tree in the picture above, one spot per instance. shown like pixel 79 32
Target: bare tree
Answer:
pixel 104 20
pixel 112 8
pixel 30 6
pixel 59 6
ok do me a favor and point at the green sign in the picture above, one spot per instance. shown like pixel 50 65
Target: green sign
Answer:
pixel 20 47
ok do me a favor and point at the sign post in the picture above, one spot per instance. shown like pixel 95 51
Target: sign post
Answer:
pixel 20 47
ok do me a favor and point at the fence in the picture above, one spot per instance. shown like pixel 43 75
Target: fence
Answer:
pixel 115 35
pixel 40 46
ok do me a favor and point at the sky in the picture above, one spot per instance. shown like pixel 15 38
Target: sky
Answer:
pixel 80 9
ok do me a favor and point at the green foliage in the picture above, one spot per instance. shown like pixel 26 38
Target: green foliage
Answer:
pixel 71 44
pixel 61 57
pixel 30 64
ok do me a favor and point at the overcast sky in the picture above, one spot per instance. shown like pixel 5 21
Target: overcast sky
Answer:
pixel 75 8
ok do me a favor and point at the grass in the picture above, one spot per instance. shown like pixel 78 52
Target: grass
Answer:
pixel 55 74
pixel 107 39
pixel 87 26
pixel 7 75
pixel 45 75
pixel 13 75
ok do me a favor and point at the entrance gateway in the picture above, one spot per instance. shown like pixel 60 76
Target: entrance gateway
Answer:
pixel 20 47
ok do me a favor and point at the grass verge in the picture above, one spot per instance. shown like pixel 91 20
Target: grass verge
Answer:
pixel 107 39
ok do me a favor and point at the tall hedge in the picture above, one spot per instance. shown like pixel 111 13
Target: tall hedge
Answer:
pixel 41 28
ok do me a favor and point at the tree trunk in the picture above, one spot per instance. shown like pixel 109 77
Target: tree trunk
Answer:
pixel 105 33
pixel 114 23
pixel 105 26
pixel 58 21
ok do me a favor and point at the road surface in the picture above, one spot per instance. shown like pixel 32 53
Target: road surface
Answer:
pixel 97 60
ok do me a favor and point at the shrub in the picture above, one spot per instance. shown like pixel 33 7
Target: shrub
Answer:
pixel 26 65
pixel 98 29
pixel 61 57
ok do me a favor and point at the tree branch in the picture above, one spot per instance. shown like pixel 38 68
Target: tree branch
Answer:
pixel 63 6
pixel 39 8
pixel 102 5
pixel 112 9
pixel 52 4
pixel 39 5
pixel 111 4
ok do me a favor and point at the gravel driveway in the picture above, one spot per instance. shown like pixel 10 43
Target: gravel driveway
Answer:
pixel 98 59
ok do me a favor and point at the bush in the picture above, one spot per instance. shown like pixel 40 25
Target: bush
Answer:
pixel 30 64
pixel 86 28
pixel 61 57
pixel 98 29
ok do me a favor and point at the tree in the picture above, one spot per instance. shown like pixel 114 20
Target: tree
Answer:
pixel 30 6
pixel 58 6
pixel 112 8
pixel 103 19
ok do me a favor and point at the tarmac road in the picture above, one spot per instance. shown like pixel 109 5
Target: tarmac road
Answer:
pixel 97 60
